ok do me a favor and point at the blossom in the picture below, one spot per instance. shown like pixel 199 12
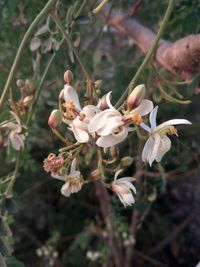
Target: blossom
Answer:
pixel 81 117
pixel 122 187
pixel 73 181
pixel 112 127
pixel 53 164
pixel 16 136
pixel 158 143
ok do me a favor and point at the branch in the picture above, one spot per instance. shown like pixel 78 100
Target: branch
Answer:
pixel 43 13
pixel 104 200
pixel 181 57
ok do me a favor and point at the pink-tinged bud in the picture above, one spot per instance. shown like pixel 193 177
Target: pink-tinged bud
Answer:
pixel 68 77
pixel 29 86
pixel 136 96
pixel 55 118
pixel 27 100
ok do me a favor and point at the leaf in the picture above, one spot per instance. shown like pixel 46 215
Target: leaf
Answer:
pixel 12 262
pixel 42 30
pixel 76 38
pixel 35 44
pixel 82 20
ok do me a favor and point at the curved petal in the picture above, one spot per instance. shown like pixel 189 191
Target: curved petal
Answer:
pixel 154 151
pixel 145 127
pixel 112 139
pixel 144 108
pixel 147 149
pixel 100 119
pixel 70 95
pixel 112 126
pixel 17 140
pixel 108 97
pixel 81 135
pixel 117 173
pixel 73 166
pixel 152 117
pixel 165 145
pixel 172 122
pixel 16 117
pixel 65 189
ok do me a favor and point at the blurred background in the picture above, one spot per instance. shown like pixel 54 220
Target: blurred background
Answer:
pixel 92 228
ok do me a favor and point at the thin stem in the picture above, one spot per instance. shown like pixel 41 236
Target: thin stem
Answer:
pixel 22 45
pixel 13 177
pixel 40 87
pixel 149 54
pixel 72 47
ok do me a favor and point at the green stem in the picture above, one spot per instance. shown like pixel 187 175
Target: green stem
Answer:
pixel 14 176
pixel 44 11
pixel 72 47
pixel 40 87
pixel 149 54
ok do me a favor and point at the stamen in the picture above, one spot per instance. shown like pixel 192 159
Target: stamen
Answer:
pixel 136 119
pixel 69 106
pixel 172 130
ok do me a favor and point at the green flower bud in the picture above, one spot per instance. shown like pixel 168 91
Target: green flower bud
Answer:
pixel 29 86
pixel 55 118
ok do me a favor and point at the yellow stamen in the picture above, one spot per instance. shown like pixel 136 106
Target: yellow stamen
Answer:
pixel 69 106
pixel 172 130
pixel 136 119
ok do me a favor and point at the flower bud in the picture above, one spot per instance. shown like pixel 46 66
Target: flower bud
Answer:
pixel 55 118
pixel 98 84
pixel 20 83
pixel 68 77
pixel 126 161
pixel 27 100
pixel 136 96
pixel 29 86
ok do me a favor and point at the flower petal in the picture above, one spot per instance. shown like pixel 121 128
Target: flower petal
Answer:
pixel 65 189
pixel 172 122
pixel 80 134
pixel 153 116
pixel 144 108
pixel 112 139
pixel 73 166
pixel 165 145
pixel 147 149
pixel 70 95
pixel 154 151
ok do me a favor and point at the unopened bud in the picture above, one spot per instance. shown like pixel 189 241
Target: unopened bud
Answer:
pixel 27 100
pixel 20 83
pixel 98 84
pixel 55 118
pixel 126 161
pixel 68 77
pixel 136 96
pixel 29 86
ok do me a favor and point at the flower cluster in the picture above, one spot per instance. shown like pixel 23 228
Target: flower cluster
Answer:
pixel 99 124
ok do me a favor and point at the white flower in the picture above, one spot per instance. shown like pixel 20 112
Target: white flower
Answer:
pixel 158 143
pixel 109 126
pixel 73 181
pixel 79 125
pixel 16 137
pixel 122 187
pixel 112 127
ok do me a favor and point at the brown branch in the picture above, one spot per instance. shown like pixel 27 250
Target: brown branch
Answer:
pixel 181 57
pixel 173 234
pixel 104 201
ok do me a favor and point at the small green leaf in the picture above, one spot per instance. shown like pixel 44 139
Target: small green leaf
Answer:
pixel 12 262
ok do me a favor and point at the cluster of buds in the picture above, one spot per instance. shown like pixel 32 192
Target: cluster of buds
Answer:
pixel 95 122
pixel 27 92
